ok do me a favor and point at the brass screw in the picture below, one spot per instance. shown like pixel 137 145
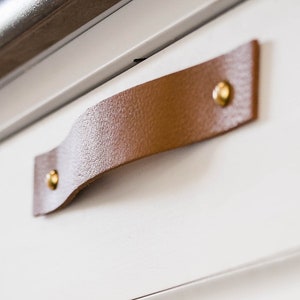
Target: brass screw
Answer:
pixel 221 93
pixel 52 179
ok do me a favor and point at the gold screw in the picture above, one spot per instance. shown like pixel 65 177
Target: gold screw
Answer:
pixel 52 179
pixel 221 93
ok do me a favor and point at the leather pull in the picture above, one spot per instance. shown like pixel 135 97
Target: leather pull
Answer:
pixel 163 114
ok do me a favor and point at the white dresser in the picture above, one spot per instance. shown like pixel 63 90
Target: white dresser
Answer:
pixel 216 220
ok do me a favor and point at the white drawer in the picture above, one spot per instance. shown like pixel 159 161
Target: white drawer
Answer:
pixel 175 217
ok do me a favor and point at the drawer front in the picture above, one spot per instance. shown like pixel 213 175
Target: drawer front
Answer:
pixel 174 217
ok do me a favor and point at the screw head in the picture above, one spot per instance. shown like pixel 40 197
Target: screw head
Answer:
pixel 52 179
pixel 221 93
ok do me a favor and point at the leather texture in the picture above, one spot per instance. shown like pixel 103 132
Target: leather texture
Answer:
pixel 163 114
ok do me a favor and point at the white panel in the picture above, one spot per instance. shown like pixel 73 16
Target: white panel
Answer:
pixel 275 280
pixel 136 30
pixel 173 217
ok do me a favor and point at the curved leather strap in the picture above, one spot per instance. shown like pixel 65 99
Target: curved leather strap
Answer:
pixel 159 115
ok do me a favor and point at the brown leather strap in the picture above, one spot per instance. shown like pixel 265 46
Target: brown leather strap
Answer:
pixel 159 115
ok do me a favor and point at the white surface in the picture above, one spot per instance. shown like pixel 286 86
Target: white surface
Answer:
pixel 136 30
pixel 278 279
pixel 177 216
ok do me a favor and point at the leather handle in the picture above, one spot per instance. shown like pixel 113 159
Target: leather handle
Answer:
pixel 166 113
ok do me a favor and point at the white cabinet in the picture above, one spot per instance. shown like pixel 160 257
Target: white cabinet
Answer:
pixel 178 216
